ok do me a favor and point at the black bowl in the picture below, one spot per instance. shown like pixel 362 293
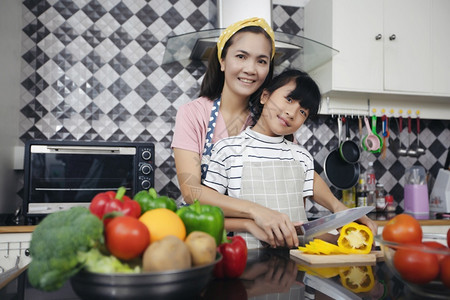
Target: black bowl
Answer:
pixel 180 284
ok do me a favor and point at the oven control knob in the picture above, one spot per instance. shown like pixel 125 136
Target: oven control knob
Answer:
pixel 146 169
pixel 145 184
pixel 146 155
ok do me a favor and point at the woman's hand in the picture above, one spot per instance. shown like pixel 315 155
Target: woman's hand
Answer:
pixel 369 223
pixel 255 230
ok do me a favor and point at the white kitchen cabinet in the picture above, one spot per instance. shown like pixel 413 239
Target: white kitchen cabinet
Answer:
pixel 440 39
pixel 385 47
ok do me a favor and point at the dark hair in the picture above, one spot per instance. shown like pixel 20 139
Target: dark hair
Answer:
pixel 214 79
pixel 306 91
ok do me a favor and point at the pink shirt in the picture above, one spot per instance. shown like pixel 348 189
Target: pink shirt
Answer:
pixel 192 122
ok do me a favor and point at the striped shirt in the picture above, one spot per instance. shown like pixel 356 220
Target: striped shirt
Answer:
pixel 225 167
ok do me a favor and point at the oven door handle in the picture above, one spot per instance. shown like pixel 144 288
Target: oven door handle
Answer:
pixel 87 149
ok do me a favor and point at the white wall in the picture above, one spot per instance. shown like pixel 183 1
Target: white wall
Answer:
pixel 10 42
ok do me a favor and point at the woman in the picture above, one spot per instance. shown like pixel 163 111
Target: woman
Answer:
pixel 235 77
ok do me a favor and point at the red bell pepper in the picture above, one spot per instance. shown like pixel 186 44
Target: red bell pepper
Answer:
pixel 110 201
pixel 234 258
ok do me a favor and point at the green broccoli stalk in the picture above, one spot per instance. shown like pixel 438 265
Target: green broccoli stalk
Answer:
pixel 56 243
pixel 96 262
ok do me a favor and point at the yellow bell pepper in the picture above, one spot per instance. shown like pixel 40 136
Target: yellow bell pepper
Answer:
pixel 358 279
pixel 356 238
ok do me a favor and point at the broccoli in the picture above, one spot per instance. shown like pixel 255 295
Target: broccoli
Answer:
pixel 56 243
pixel 97 262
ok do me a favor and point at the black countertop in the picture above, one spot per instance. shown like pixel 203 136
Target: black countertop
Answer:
pixel 270 274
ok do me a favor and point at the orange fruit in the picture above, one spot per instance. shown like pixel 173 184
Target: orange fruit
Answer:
pixel 162 222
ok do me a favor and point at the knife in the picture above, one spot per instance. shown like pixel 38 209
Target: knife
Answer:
pixel 307 231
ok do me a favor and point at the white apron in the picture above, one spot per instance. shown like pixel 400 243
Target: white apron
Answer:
pixel 274 184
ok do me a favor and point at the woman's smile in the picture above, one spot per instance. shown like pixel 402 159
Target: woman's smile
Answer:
pixel 245 80
pixel 246 64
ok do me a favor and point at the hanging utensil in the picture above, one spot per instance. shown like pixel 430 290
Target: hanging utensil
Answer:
pixel 340 173
pixel 360 126
pixel 370 142
pixel 401 151
pixel 374 130
pixel 360 136
pixel 385 133
pixel 410 151
pixel 419 150
pixel 348 149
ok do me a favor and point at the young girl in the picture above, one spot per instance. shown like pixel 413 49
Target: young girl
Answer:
pixel 260 164
pixel 240 67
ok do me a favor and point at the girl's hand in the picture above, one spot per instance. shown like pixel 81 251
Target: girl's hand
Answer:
pixel 279 229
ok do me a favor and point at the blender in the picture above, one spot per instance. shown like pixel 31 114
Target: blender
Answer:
pixel 416 192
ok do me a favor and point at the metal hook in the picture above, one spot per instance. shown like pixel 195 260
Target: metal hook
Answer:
pixel 7 251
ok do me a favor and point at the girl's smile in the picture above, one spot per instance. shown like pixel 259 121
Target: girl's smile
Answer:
pixel 281 114
pixel 283 121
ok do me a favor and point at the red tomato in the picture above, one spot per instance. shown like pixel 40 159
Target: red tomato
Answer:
pixel 126 237
pixel 416 266
pixel 445 271
pixel 439 246
pixel 403 229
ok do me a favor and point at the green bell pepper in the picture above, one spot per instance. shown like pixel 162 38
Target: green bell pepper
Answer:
pixel 149 200
pixel 206 218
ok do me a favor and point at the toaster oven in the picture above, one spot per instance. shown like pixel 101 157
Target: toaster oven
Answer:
pixel 59 175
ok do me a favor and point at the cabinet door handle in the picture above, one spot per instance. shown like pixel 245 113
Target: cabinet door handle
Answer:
pixel 378 36
pixel 392 37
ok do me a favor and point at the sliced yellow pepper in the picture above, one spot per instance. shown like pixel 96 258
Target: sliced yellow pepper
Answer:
pixel 356 238
pixel 324 272
pixel 329 248
pixel 311 248
pixel 358 279
pixel 321 247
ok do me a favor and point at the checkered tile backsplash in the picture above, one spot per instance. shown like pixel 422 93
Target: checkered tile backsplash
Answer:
pixel 92 70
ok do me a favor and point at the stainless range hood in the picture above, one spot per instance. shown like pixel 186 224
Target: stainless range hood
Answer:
pixel 291 50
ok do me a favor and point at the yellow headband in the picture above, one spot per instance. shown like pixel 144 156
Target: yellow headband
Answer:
pixel 233 28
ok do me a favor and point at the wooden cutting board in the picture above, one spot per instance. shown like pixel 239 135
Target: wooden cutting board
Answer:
pixel 338 259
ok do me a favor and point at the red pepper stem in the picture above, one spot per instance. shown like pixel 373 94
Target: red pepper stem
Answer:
pixel 120 193
pixel 225 238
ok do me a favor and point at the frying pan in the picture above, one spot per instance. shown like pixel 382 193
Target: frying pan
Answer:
pixel 341 174
pixel 349 150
